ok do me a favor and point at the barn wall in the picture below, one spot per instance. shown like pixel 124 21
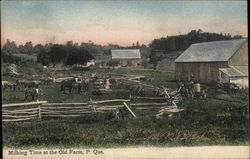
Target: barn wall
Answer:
pixel 204 72
pixel 130 62
pixel 241 81
pixel 240 57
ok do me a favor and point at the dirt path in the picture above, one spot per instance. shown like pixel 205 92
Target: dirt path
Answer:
pixel 205 152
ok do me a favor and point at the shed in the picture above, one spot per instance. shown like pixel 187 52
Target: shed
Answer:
pixel 234 74
pixel 203 60
pixel 127 57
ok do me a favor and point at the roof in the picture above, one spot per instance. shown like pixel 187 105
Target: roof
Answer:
pixel 126 54
pixel 235 71
pixel 216 51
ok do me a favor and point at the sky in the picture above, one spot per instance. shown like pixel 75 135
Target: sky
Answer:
pixel 116 21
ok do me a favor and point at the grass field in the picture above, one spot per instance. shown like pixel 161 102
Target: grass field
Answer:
pixel 216 120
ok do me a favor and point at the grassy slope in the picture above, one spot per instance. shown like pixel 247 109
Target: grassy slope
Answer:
pixel 208 122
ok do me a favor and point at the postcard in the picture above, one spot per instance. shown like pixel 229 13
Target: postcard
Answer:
pixel 124 79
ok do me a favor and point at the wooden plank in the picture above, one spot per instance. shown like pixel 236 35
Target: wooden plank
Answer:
pixel 21 110
pixel 149 104
pixel 19 116
pixel 64 104
pixel 24 119
pixel 61 115
pixel 129 110
pixel 165 91
pixel 150 98
pixel 65 112
pixel 24 104
pixel 105 109
pixel 39 113
pixel 112 100
pixel 34 112
pixel 145 108
pixel 109 106
pixel 66 108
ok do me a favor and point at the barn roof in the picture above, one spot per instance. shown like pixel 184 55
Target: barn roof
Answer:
pixel 216 51
pixel 235 71
pixel 126 54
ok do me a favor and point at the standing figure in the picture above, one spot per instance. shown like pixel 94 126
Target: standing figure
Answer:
pixel 107 83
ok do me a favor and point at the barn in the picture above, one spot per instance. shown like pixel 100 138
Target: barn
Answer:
pixel 204 60
pixel 127 57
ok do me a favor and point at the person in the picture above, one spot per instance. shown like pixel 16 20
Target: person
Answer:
pixel 107 83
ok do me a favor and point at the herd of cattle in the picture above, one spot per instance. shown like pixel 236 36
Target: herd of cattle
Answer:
pixel 82 83
pixel 32 86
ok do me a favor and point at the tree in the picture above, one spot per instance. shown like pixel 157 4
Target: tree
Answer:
pixel 137 44
pixel 238 37
pixel 37 48
pixel 43 57
pixel 57 54
pixel 28 47
pixel 78 56
pixel 10 47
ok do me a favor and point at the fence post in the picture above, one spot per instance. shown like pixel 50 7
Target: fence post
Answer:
pixel 129 102
pixel 39 112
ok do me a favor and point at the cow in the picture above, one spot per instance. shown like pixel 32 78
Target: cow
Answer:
pixel 32 92
pixel 85 84
pixel 32 84
pixel 21 83
pixel 114 83
pixel 47 81
pixel 78 85
pixel 68 84
pixel 6 84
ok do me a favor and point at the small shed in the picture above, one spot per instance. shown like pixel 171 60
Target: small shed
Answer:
pixel 234 74
pixel 127 57
pixel 203 60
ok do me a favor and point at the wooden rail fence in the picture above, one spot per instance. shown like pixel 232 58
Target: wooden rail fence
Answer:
pixel 22 111
pixel 40 109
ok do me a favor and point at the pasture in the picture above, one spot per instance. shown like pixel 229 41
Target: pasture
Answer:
pixel 216 120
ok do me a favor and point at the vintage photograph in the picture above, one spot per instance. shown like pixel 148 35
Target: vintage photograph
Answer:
pixel 124 79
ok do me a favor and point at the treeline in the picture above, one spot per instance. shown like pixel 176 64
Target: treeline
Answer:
pixel 182 42
pixel 68 54
pixel 64 54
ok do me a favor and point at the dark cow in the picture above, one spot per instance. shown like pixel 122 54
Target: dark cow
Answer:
pixel 21 83
pixel 114 83
pixel 47 81
pixel 32 92
pixel 32 84
pixel 85 84
pixel 68 84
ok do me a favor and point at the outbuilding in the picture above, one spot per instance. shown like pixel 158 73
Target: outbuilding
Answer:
pixel 204 60
pixel 234 74
pixel 127 57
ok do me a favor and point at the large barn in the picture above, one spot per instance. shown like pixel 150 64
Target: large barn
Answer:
pixel 127 57
pixel 203 60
